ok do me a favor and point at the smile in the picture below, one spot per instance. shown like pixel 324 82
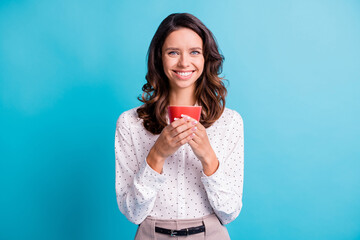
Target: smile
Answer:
pixel 184 75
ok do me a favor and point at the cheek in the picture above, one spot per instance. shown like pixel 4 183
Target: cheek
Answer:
pixel 200 60
pixel 167 63
pixel 167 69
pixel 200 63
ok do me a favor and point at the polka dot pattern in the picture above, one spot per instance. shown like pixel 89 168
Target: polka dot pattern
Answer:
pixel 182 191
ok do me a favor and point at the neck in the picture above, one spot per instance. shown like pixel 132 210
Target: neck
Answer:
pixel 182 97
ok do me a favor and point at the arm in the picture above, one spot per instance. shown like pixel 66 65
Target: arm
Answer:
pixel 225 187
pixel 136 184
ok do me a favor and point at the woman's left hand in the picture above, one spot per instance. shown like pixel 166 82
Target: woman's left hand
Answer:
pixel 200 144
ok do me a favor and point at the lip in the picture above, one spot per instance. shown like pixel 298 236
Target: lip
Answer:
pixel 183 77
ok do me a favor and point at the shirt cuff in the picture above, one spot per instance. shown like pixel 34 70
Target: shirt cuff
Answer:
pixel 148 177
pixel 213 181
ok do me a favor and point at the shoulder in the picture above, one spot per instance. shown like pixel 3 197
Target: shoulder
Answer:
pixel 228 118
pixel 232 114
pixel 129 117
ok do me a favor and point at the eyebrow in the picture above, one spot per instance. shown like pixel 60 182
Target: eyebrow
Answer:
pixel 172 48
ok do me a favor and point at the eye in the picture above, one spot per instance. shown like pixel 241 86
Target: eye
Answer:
pixel 195 52
pixel 172 53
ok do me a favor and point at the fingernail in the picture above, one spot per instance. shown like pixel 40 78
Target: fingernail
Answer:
pixel 194 122
pixel 194 128
pixel 176 119
pixel 184 116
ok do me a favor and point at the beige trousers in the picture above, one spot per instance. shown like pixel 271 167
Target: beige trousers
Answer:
pixel 214 230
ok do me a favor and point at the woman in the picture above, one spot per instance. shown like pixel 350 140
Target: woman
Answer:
pixel 183 178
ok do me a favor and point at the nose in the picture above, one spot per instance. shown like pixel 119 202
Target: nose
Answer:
pixel 184 61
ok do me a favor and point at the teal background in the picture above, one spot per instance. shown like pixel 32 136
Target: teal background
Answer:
pixel 68 69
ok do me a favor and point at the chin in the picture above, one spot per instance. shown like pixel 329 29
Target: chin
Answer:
pixel 183 85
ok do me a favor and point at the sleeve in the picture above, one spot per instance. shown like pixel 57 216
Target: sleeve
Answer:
pixel 136 184
pixel 225 187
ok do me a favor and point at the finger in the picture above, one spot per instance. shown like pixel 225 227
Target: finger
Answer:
pixel 179 130
pixel 194 121
pixel 177 122
pixel 196 138
pixel 172 126
pixel 193 144
pixel 185 140
pixel 188 118
pixel 200 127
pixel 182 128
pixel 185 134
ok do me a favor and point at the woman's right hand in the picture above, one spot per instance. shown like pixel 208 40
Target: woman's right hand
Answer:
pixel 173 136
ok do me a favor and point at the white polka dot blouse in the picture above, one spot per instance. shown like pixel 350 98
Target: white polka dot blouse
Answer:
pixel 182 190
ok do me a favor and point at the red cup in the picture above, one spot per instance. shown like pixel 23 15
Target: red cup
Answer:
pixel 191 111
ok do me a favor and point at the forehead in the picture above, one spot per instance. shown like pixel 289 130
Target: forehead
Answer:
pixel 183 38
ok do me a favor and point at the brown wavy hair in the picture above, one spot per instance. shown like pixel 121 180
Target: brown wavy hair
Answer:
pixel 210 90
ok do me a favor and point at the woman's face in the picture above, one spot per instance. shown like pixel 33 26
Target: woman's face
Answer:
pixel 183 59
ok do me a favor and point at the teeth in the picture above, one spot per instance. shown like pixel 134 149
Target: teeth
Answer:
pixel 184 73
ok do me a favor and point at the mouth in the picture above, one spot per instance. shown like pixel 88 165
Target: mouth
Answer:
pixel 184 74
